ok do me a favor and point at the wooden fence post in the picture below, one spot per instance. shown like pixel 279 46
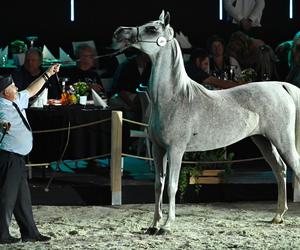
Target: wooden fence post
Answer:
pixel 116 158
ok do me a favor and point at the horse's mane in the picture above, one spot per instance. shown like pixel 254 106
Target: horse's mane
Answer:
pixel 186 86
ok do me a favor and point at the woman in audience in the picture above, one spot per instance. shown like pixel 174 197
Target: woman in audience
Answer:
pixel 294 73
pixel 287 54
pixel 198 69
pixel 244 49
pixel 221 65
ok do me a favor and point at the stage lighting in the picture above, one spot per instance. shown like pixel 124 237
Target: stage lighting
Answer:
pixel 220 9
pixel 72 10
pixel 291 9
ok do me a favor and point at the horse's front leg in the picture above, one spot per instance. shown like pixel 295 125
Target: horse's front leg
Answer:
pixel 174 157
pixel 160 161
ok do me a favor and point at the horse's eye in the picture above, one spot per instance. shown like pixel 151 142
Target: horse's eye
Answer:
pixel 151 29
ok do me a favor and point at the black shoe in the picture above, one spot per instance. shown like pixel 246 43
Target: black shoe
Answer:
pixel 9 240
pixel 40 237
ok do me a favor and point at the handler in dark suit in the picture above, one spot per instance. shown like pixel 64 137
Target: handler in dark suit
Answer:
pixel 16 142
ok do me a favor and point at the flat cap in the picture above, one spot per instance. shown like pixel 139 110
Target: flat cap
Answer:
pixel 5 82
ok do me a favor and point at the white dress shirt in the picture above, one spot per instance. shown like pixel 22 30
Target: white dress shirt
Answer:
pixel 19 138
pixel 239 9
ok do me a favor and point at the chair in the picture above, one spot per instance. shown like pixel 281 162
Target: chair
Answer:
pixel 143 88
pixel 107 84
pixel 142 134
pixel 77 44
pixel 144 98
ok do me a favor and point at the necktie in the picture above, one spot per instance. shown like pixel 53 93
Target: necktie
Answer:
pixel 22 116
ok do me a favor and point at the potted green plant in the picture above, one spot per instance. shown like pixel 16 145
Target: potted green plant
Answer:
pixel 18 50
pixel 81 91
pixel 81 88
pixel 200 169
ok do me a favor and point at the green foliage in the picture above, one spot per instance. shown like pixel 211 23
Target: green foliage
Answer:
pixel 18 47
pixel 81 88
pixel 248 75
pixel 183 181
pixel 196 170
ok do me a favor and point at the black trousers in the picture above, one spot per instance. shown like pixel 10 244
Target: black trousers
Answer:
pixel 15 198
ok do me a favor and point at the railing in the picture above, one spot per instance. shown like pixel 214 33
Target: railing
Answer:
pixel 116 155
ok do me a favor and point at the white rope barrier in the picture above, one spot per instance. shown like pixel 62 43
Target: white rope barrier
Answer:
pixel 117 155
pixel 46 164
pixel 187 162
pixel 135 122
pixel 225 161
pixel 71 127
pixel 81 159
pixel 137 157
pixel 197 162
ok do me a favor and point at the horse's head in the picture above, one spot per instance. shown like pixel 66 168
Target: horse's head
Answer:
pixel 148 38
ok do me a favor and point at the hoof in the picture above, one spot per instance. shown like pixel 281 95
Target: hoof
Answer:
pixel 163 231
pixel 152 231
pixel 277 220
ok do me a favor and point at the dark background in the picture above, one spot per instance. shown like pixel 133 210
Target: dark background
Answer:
pixel 96 20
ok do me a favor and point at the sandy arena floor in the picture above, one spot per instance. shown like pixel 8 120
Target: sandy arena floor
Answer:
pixel 240 225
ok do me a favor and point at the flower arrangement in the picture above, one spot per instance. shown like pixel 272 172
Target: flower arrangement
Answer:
pixel 73 93
pixel 81 88
pixel 18 47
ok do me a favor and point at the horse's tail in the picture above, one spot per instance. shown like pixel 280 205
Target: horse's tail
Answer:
pixel 294 92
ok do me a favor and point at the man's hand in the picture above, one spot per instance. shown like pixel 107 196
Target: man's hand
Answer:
pixel 246 24
pixel 5 126
pixel 37 84
pixel 53 69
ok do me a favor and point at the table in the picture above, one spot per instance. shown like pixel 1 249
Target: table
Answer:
pixel 82 142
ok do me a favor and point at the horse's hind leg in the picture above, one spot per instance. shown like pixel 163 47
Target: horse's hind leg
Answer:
pixel 279 169
pixel 160 160
pixel 292 159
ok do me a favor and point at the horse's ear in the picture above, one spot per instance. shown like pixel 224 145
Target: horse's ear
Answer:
pixel 162 16
pixel 167 19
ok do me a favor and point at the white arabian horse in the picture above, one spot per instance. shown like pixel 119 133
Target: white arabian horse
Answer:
pixel 188 117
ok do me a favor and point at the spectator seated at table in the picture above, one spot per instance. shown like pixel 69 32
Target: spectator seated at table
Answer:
pixel 85 70
pixel 197 69
pixel 266 64
pixel 244 49
pixel 220 64
pixel 31 70
pixel 288 53
pixel 127 78
pixel 293 75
